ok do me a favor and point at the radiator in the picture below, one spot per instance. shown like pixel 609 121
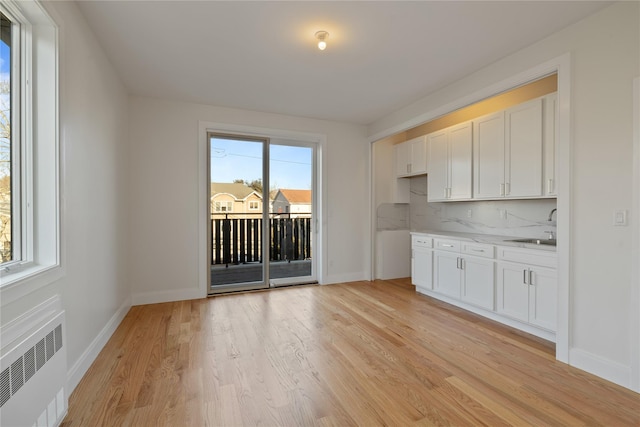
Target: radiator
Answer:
pixel 33 368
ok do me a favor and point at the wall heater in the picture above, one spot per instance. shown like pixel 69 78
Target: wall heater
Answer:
pixel 33 368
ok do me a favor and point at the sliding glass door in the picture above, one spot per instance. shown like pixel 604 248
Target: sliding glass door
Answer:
pixel 261 213
pixel 291 215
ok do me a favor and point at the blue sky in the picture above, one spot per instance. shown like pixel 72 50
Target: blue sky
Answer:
pixel 290 166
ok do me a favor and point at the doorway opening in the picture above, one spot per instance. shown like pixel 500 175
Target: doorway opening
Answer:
pixel 262 212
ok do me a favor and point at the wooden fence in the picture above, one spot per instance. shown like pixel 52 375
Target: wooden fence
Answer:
pixel 239 240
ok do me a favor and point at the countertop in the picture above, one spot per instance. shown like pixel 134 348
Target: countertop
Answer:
pixel 486 238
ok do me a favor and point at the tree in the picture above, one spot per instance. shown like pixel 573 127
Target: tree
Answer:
pixel 255 185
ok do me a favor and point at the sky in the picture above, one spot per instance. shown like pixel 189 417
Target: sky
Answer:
pixel 290 166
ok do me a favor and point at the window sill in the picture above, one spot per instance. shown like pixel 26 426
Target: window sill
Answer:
pixel 27 280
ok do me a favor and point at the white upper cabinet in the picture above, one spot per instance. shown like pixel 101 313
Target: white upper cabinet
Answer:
pixel 523 150
pixel 449 163
pixel 488 156
pixel 411 157
pixel 460 161
pixel 550 108
pixel 438 166
pixel 508 153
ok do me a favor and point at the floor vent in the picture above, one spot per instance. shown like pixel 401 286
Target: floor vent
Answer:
pixel 33 373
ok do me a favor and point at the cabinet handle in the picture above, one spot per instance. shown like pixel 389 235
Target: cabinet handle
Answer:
pixel 507 189
pixel 461 263
pixel 530 277
pixel 502 189
pixel 477 250
pixel 549 185
pixel 524 277
pixel 445 192
pixel 446 245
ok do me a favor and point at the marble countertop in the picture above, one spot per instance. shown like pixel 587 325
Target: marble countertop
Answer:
pixel 486 238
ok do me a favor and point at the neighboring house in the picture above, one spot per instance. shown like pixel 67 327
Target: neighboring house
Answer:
pixel 294 202
pixel 235 198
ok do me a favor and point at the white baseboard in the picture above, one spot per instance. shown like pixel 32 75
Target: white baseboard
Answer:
pixel 82 365
pixel 343 278
pixel 167 296
pixel 608 369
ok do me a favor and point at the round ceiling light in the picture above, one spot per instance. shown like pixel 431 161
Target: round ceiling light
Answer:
pixel 322 36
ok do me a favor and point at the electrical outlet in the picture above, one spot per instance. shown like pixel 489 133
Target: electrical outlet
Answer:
pixel 620 218
pixel 503 214
pixel 469 213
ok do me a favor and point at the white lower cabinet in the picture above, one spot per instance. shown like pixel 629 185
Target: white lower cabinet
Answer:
pixel 527 291
pixel 446 274
pixel 422 262
pixel 478 282
pixel 514 285
pixel 458 274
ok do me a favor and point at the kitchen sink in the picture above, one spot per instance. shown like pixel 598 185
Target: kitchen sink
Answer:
pixel 550 242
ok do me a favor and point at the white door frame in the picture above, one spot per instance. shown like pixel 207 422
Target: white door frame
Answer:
pixel 634 309
pixel 205 128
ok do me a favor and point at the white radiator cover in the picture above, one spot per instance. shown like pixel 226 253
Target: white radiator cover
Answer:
pixel 33 368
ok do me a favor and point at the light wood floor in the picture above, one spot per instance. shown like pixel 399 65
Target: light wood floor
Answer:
pixel 364 353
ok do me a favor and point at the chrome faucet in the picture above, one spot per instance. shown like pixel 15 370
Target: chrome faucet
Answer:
pixel 551 213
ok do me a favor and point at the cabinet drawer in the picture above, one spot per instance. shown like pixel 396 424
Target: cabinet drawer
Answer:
pixel 421 242
pixel 447 245
pixel 528 256
pixel 478 249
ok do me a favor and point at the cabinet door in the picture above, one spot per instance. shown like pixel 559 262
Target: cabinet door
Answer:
pixel 418 158
pixel 550 107
pixel 513 291
pixel 460 148
pixel 446 275
pixel 523 150
pixel 422 268
pixel 478 281
pixel 488 156
pixel 543 294
pixel 437 166
pixel 401 152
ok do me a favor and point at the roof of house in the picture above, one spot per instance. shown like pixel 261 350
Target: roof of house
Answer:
pixel 237 190
pixel 297 196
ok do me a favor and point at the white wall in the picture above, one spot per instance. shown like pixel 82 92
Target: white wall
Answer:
pixel 163 198
pixel 604 51
pixel 93 143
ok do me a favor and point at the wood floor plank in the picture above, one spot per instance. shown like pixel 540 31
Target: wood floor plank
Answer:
pixel 352 354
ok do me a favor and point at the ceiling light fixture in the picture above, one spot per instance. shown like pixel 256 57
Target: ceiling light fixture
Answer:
pixel 321 36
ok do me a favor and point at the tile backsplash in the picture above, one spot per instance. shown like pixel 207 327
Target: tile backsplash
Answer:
pixel 522 218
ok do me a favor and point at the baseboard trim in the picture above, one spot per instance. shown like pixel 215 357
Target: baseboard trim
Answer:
pixel 608 369
pixel 331 279
pixel 166 296
pixel 82 365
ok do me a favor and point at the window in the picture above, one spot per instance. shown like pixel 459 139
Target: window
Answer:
pixel 29 190
pixel 254 205
pixel 223 206
pixel 9 152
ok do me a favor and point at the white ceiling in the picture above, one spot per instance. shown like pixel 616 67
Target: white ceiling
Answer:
pixel 381 56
